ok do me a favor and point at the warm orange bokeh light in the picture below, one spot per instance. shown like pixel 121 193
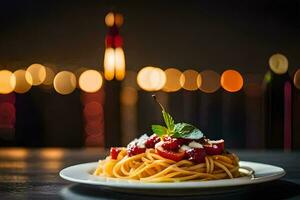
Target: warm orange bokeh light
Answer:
pixel 188 80
pixel 90 81
pixel 119 20
pixel 210 81
pixel 114 19
pixel 151 78
pixel 23 81
pixel 109 63
pixel 52 165
pixel 172 80
pixel 157 79
pixel 64 82
pixel 15 153
pixel 297 79
pixel 119 63
pixel 114 63
pixel 51 153
pixel 110 19
pixel 7 82
pixel 38 74
pixel 232 80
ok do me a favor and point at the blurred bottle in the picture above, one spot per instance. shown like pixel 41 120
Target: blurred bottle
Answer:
pixel 234 119
pixel 254 131
pixel 210 115
pixel 278 104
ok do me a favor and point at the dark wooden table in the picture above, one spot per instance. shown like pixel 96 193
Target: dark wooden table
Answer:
pixel 33 174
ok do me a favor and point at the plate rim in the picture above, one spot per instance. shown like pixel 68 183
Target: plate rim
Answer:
pixel 135 184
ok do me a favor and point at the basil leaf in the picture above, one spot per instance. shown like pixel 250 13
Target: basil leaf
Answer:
pixel 184 130
pixel 169 121
pixel 159 130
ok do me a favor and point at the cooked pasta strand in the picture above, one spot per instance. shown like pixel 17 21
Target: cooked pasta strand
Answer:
pixel 151 167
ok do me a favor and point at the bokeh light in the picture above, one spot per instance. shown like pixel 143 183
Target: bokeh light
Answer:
pixel 23 84
pixel 119 63
pixel 90 81
pixel 188 80
pixel 16 153
pixel 151 78
pixel 210 81
pixel 109 63
pixel 52 165
pixel 64 82
pixel 297 79
pixel 119 20
pixel 172 80
pixel 50 74
pixel 7 82
pixel 51 153
pixel 278 63
pixel 143 78
pixel 129 96
pixel 114 63
pixel 16 165
pixel 232 80
pixel 110 19
pixel 38 74
pixel 199 80
pixel 157 78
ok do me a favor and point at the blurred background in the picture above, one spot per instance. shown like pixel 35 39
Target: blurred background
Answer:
pixel 81 73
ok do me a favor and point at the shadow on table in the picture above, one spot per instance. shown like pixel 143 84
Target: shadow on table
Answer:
pixel 274 190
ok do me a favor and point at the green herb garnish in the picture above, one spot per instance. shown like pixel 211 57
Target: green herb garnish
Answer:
pixel 179 130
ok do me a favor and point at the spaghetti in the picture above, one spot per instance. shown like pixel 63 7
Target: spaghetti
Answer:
pixel 151 167
pixel 174 152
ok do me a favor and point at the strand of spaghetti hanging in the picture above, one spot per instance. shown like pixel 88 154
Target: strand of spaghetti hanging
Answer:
pixel 114 57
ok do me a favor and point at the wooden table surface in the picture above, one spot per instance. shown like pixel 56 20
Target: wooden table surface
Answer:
pixel 33 174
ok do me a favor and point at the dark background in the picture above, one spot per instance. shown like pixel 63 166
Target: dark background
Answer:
pixel 200 35
pixel 186 34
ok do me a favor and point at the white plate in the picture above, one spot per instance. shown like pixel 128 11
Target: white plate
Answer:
pixel 82 173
